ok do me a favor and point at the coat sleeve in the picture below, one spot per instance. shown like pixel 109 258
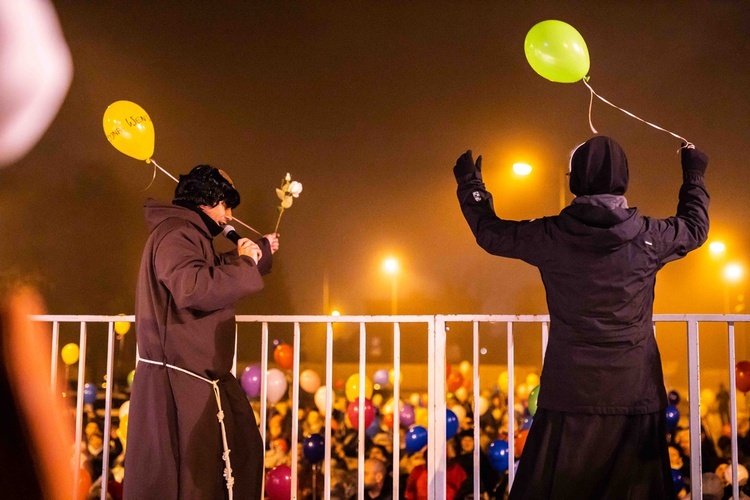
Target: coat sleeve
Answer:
pixel 688 229
pixel 505 238
pixel 194 281
pixel 265 263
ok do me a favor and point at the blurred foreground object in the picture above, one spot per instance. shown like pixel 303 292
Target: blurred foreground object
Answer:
pixel 35 444
pixel 35 73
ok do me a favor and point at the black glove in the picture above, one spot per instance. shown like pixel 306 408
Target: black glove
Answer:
pixel 465 166
pixel 693 160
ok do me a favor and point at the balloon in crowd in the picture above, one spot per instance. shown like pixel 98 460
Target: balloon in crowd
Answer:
pixel 556 51
pixel 520 442
pixel 320 399
pixel 275 385
pixel 451 424
pixel 250 380
pixel 279 483
pixel 462 394
pixel 454 380
pixel 499 455
pixel 502 382
pixel 309 381
pixel 129 129
pixel 352 387
pixel 392 376
pixel 353 413
pixel 69 354
pixel 484 405
pixel 460 412
pixel 421 416
pixel 415 439
pixel 122 327
pixel 415 399
pixel 406 414
pixel 284 356
pixel 673 416
pixel 742 376
pixel 131 376
pixel 532 380
pixel 677 481
pixel 89 394
pixel 381 377
pixel 314 448
pixel 533 398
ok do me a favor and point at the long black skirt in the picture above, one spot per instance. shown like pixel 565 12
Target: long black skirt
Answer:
pixel 582 456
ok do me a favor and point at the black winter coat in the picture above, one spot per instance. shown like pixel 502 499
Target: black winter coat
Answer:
pixel 599 270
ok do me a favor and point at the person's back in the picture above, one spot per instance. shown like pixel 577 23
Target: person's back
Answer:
pixel 598 260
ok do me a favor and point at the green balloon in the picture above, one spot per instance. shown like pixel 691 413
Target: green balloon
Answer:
pixel 557 51
pixel 533 396
pixel 130 378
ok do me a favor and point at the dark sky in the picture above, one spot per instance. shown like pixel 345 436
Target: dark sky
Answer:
pixel 369 104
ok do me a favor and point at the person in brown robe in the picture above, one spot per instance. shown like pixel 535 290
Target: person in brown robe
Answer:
pixel 192 433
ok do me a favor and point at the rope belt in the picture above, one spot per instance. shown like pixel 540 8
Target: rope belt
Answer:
pixel 215 384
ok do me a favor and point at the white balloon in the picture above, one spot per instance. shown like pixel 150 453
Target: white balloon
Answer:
pixel 309 381
pixel 320 399
pixel 275 385
pixel 484 405
pixel 460 412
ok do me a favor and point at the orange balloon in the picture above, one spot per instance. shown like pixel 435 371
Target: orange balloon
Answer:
pixel 454 381
pixel 284 356
pixel 388 420
pixel 742 372
pixel 520 442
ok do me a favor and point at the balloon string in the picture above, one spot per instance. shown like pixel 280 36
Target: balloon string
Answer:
pixel 593 93
pixel 174 179
pixel 153 178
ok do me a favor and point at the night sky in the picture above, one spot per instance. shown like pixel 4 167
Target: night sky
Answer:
pixel 369 104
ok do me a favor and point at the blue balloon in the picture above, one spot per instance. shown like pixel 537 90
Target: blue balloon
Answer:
pixel 89 394
pixel 673 416
pixel 415 439
pixel 374 427
pixel 451 424
pixel 677 481
pixel 498 455
pixel 673 397
pixel 314 448
pixel 527 421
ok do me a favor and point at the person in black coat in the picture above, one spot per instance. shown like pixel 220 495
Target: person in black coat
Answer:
pixel 600 427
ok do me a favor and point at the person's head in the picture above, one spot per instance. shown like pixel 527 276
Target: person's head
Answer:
pixel 466 442
pixel 210 189
pixel 378 452
pixel 713 487
pixel 95 444
pixel 92 428
pixel 374 475
pixel 598 166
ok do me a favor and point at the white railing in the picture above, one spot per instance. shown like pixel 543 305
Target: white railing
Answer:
pixel 436 328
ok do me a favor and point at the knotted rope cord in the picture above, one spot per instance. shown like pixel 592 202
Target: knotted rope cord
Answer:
pixel 688 144
pixel 220 416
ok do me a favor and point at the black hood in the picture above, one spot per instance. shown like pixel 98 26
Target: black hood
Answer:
pixel 599 166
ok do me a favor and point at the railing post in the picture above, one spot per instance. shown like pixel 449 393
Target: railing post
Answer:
pixel 511 406
pixel 733 408
pixel 694 383
pixel 108 407
pixel 396 397
pixel 436 463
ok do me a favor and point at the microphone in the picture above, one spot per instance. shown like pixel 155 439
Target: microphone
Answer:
pixel 231 234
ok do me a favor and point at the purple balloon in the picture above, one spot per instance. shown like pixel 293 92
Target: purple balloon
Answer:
pixel 279 483
pixel 381 377
pixel 415 439
pixel 250 380
pixel 314 448
pixel 406 414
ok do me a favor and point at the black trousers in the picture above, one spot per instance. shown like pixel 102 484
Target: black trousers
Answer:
pixel 583 456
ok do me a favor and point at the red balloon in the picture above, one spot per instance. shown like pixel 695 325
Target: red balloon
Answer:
pixel 742 372
pixel 353 413
pixel 454 381
pixel 284 356
pixel 279 483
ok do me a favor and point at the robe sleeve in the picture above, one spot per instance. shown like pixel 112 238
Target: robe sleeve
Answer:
pixel 196 282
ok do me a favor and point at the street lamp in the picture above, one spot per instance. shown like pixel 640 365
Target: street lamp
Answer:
pixel 522 169
pixel 717 248
pixel 392 267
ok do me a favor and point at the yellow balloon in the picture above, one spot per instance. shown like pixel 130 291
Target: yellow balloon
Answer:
pixel 532 379
pixel 122 430
pixel 352 387
pixel 122 327
pixel 69 354
pixel 421 416
pixel 129 129
pixel 392 377
pixel 502 382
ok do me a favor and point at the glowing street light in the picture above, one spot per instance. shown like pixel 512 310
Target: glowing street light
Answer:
pixel 392 267
pixel 733 272
pixel 717 248
pixel 522 169
pixel 335 313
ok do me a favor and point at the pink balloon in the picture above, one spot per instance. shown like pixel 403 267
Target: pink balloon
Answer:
pixel 309 381
pixel 353 412
pixel 279 483
pixel 406 415
pixel 275 385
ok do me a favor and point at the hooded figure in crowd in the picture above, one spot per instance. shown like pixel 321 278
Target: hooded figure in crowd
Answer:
pixel 192 433
pixel 600 427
